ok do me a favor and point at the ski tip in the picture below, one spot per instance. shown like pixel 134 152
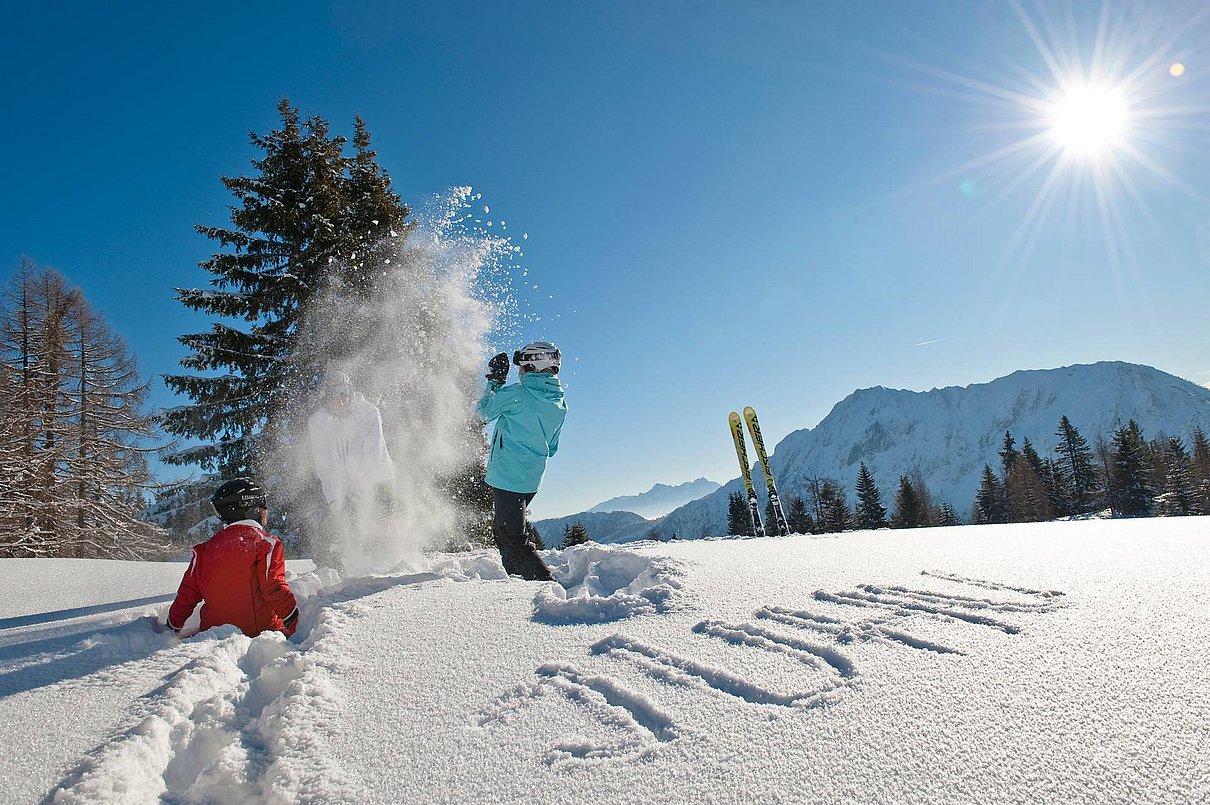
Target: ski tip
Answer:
pixel 733 417
pixel 749 411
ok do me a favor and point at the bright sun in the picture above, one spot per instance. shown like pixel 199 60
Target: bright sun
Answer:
pixel 1088 121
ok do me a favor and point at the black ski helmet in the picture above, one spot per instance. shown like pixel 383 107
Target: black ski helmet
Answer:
pixel 239 499
pixel 539 356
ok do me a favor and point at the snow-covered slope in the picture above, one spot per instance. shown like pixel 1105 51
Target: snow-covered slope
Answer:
pixel 659 499
pixel 949 434
pixel 1056 662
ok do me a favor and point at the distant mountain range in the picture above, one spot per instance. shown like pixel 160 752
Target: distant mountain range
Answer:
pixel 629 517
pixel 659 499
pixel 604 527
pixel 949 434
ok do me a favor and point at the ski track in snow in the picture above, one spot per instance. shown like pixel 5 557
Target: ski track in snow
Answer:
pixel 646 727
pixel 846 632
pixel 617 708
pixel 244 720
pixel 905 606
pixel 991 585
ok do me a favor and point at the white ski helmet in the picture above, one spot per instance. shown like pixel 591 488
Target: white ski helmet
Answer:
pixel 538 356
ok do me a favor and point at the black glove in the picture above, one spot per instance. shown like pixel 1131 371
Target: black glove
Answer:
pixel 497 368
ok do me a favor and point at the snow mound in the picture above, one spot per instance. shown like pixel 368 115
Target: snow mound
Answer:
pixel 600 584
pixel 482 564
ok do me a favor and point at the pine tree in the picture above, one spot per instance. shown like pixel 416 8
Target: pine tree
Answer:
pixel 1130 493
pixel 1008 453
pixel 1076 461
pixel 948 516
pixel 294 230
pixel 834 507
pixel 930 512
pixel 574 534
pixel 1201 467
pixel 1057 488
pixel 1179 497
pixel 797 517
pixel 909 512
pixel 739 521
pixel 989 500
pixel 870 511
pixel 1025 494
pixel 1031 456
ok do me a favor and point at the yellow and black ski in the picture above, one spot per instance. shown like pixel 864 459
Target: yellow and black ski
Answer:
pixel 741 452
pixel 759 443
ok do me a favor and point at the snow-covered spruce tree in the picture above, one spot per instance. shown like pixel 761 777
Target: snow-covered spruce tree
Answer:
pixel 297 228
pixel 1130 493
pixel 1078 467
pixel 80 423
pixel 870 512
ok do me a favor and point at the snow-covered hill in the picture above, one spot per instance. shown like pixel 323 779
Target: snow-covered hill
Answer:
pixel 949 434
pixel 1056 662
pixel 659 499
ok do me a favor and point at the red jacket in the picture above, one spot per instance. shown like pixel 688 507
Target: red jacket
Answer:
pixel 240 573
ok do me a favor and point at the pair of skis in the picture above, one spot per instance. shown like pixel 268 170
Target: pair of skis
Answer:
pixel 741 452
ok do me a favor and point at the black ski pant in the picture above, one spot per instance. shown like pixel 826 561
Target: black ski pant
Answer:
pixel 516 554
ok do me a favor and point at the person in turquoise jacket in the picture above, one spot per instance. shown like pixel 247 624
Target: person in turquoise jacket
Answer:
pixel 528 418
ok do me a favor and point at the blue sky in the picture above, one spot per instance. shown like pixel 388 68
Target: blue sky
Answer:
pixel 727 203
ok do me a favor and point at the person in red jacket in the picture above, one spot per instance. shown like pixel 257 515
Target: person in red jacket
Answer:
pixel 240 572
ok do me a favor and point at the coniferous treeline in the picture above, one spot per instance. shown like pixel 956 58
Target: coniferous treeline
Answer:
pixel 74 437
pixel 1127 475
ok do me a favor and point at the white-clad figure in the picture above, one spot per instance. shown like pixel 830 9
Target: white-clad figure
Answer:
pixel 352 462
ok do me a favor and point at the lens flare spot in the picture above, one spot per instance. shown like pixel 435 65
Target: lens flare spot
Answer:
pixel 1176 70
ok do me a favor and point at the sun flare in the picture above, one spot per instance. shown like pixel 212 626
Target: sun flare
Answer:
pixel 1089 120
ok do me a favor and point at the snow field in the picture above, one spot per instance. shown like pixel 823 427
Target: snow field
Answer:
pixel 1053 662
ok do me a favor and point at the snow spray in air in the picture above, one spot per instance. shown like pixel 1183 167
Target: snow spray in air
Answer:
pixel 408 324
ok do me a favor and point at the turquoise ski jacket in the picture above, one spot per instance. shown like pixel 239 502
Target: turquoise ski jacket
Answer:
pixel 528 417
